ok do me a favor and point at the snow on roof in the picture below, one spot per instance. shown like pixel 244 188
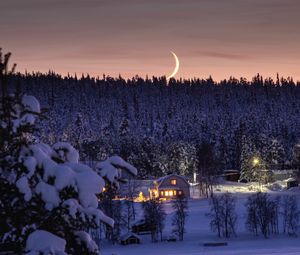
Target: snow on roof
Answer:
pixel 167 188
pixel 128 235
pixel 231 171
pixel 159 180
pixel 284 171
pixel 291 179
pixel 139 222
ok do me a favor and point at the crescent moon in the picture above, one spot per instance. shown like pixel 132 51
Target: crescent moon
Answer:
pixel 176 66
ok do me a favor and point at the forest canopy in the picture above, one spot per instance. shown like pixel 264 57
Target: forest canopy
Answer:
pixel 159 125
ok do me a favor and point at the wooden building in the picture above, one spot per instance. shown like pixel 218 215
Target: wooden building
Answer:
pixel 231 175
pixel 170 186
pixel 130 238
pixel 291 183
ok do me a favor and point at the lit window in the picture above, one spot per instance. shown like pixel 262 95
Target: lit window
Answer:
pixel 162 193
pixel 179 193
pixel 173 182
pixel 171 193
pixel 175 192
pixel 166 193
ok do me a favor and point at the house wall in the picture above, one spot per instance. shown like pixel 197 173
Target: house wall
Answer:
pixel 181 184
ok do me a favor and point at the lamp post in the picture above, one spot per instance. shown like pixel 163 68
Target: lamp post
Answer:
pixel 256 163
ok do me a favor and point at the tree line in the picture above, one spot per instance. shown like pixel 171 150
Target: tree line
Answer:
pixel 160 126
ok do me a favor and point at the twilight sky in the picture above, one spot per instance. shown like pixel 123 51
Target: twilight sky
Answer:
pixel 128 37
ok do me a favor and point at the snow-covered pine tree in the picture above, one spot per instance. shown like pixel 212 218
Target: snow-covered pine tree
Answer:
pixel 124 138
pixel 223 154
pixel 48 199
pixel 253 165
pixel 296 156
pixel 124 128
pixel 275 154
pixel 147 155
pixel 248 153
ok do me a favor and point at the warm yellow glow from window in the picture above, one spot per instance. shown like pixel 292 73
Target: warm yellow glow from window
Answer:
pixel 173 182
pixel 162 193
pixel 141 196
pixel 171 193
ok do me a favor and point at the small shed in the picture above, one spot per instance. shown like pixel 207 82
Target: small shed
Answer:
pixel 130 238
pixel 291 182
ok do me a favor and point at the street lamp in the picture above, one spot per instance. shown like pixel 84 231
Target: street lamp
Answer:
pixel 255 161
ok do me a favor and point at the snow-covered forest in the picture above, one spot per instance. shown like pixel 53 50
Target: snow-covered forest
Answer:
pixel 159 126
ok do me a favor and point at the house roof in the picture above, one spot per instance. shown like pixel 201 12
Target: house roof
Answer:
pixel 129 235
pixel 139 222
pixel 291 179
pixel 172 187
pixel 160 180
pixel 169 175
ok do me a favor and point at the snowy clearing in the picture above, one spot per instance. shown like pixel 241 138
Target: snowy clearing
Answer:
pixel 198 232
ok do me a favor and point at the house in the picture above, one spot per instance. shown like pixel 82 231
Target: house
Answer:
pixel 170 186
pixel 130 238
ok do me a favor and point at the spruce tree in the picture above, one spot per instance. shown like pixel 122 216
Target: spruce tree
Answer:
pixel 48 199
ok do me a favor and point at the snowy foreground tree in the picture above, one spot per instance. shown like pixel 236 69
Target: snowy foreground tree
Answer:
pixel 155 217
pixel 223 215
pixel 180 206
pixel 263 214
pixel 48 199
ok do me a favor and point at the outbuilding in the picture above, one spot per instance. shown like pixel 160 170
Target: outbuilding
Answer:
pixel 130 238
pixel 291 182
pixel 231 175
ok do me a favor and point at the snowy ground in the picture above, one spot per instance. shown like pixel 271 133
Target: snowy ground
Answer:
pixel 198 232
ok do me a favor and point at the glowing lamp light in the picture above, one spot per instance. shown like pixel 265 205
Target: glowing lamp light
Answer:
pixel 255 161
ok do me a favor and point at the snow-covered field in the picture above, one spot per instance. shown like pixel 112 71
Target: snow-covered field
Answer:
pixel 198 232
